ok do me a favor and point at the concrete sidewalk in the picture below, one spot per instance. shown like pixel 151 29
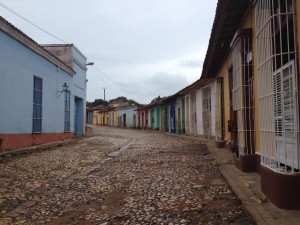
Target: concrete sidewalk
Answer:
pixel 247 188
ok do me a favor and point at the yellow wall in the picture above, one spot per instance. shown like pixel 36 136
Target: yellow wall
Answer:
pixel 250 23
pixel 116 115
pixel 223 72
pixel 94 118
pixel 99 118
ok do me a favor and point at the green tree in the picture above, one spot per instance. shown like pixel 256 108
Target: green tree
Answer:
pixel 156 99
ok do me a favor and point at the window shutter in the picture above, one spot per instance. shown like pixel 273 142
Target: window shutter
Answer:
pixel 277 82
pixel 285 118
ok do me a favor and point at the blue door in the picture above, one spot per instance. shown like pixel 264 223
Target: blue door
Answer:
pixel 78 117
pixel 172 116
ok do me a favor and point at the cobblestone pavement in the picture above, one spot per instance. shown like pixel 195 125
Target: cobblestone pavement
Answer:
pixel 118 176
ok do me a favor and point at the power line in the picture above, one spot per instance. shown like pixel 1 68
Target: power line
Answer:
pixel 100 74
pixel 28 21
pixel 95 68
pixel 120 84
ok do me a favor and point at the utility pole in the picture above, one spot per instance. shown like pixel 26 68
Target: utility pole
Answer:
pixel 104 93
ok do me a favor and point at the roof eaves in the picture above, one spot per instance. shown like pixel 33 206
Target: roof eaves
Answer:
pixel 229 14
pixel 21 37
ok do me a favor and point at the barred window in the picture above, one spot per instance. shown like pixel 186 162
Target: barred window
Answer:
pixel 67 111
pixel 243 95
pixel 37 104
pixel 278 84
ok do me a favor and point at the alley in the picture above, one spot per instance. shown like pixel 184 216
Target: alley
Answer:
pixel 118 176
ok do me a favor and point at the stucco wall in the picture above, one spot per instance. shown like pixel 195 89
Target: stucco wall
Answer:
pixel 18 65
pixel 199 112
pixel 213 107
pixel 187 114
pixel 130 112
pixel 227 103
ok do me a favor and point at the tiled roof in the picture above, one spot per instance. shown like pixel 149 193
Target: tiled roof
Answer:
pixel 229 15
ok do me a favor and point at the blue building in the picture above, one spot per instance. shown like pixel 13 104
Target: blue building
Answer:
pixel 42 90
pixel 173 115
pixel 128 116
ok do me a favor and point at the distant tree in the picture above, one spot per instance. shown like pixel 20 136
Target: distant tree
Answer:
pixel 156 99
pixel 88 104
pixel 97 102
pixel 120 99
pixel 132 102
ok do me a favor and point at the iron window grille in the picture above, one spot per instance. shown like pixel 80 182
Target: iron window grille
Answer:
pixel 275 22
pixel 242 90
pixel 37 116
pixel 67 120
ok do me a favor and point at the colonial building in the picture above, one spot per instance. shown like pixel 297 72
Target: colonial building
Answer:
pixel 253 60
pixel 42 90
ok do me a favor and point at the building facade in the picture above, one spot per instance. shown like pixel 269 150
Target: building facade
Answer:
pixel 43 97
pixel 253 58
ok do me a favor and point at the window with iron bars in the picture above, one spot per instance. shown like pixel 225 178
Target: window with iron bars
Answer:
pixel 277 60
pixel 243 95
pixel 37 105
pixel 67 111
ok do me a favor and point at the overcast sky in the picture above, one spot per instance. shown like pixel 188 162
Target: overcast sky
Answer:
pixel 141 48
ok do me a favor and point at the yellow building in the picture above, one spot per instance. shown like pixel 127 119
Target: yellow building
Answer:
pixel 253 91
pixel 100 115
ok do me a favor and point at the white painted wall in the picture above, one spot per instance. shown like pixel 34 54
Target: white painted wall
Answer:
pixel 199 111
pixel 213 107
pixel 199 99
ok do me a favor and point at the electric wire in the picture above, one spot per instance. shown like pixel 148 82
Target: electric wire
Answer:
pixel 28 21
pixel 128 90
pixel 114 82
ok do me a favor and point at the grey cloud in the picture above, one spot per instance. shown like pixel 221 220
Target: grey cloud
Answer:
pixel 192 64
pixel 127 39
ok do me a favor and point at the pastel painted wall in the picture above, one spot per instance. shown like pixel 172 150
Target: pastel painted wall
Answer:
pixel 100 118
pixel 18 66
pixel 180 115
pixel 116 117
pixel 74 58
pixel 187 114
pixel 191 113
pixel 172 128
pixel 130 113
pixel 154 117
pixel 164 117
pixel 224 72
pixel 199 111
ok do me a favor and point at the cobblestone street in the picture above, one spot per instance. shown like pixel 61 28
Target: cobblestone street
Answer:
pixel 118 176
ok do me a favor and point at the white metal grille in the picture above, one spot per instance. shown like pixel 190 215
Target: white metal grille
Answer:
pixel 243 99
pixel 278 84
